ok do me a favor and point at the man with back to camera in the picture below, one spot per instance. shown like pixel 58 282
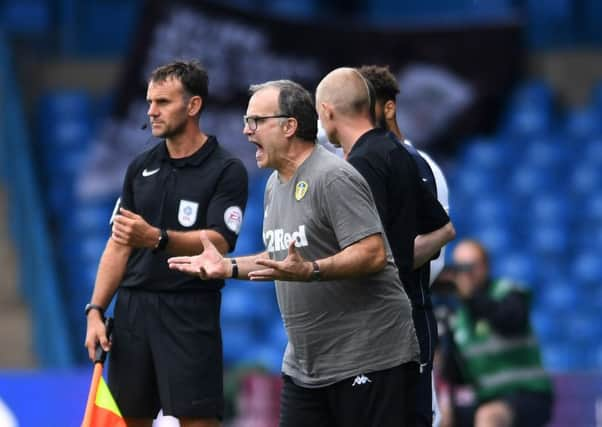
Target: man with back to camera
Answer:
pixel 494 347
pixel 406 207
pixel 166 345
pixel 352 350
pixel 417 282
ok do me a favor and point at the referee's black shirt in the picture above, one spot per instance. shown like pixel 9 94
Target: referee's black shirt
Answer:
pixel 406 207
pixel 207 190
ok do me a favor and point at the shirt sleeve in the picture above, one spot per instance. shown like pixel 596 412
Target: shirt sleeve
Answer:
pixel 127 193
pixel 431 215
pixel 226 207
pixel 349 207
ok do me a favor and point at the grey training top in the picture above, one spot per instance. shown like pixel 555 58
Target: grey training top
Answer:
pixel 336 329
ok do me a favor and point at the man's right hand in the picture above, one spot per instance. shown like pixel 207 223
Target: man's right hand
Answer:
pixel 96 333
pixel 208 265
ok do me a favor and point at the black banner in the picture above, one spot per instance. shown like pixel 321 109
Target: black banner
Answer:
pixel 453 80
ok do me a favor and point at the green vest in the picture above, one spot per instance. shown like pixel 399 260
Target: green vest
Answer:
pixel 496 365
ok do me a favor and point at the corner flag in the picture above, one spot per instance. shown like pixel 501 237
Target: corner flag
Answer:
pixel 101 409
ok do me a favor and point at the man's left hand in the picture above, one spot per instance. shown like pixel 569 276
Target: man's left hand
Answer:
pixel 293 268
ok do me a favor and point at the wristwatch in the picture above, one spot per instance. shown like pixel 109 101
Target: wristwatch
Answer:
pixel 90 306
pixel 163 240
pixel 315 274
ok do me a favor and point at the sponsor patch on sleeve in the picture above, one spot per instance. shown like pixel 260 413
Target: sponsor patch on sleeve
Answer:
pixel 233 218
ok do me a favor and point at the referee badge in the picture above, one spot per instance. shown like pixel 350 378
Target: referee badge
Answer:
pixel 187 213
pixel 300 190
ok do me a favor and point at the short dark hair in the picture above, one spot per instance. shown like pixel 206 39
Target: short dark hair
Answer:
pixel 294 101
pixel 191 74
pixel 382 80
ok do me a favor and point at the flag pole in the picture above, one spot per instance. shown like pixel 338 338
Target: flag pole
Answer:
pixel 99 359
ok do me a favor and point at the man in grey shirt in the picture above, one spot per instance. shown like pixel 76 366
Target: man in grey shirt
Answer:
pixel 352 352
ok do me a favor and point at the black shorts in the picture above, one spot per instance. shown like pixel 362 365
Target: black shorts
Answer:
pixel 375 399
pixel 167 354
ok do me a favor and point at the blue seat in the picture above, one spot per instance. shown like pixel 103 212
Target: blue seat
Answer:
pixel 473 182
pixel 550 208
pixel 534 92
pixel 526 181
pixel 486 153
pixel 560 295
pixel 592 209
pixel 63 104
pixel 584 326
pixel 527 121
pixel 238 304
pixel 26 17
pixel 492 209
pixel 582 123
pixel 237 339
pixel 586 178
pixel 277 333
pixel 592 151
pixel 549 240
pixel 561 357
pixel 587 268
pixel 92 218
pixel 548 327
pixel 551 154
pixel 265 355
pixel 519 266
pixel 498 240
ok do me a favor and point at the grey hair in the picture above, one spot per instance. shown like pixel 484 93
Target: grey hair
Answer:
pixel 295 101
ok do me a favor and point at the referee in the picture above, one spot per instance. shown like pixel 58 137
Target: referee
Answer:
pixel 415 223
pixel 166 351
pixel 386 89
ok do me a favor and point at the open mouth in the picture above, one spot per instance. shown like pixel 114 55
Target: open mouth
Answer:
pixel 259 150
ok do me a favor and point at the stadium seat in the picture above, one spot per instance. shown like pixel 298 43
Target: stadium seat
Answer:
pixel 527 181
pixel 587 269
pixel 527 121
pixel 486 153
pixel 238 338
pixel 593 150
pixel 266 355
pixel 560 357
pixel 560 295
pixel 552 154
pixel 492 209
pixel 537 93
pixel 497 239
pixel 474 183
pixel 548 328
pixel 586 178
pixel 591 210
pixel 519 266
pixel 549 240
pixel 550 208
pixel 582 123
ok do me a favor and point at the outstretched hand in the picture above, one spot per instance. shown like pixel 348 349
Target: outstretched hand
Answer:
pixel 210 264
pixel 293 268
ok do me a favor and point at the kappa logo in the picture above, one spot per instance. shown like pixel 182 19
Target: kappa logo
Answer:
pixel 278 240
pixel 361 380
pixel 146 172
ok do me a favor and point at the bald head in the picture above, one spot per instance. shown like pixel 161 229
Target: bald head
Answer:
pixel 346 90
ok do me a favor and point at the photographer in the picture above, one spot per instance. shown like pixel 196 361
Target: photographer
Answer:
pixel 493 347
